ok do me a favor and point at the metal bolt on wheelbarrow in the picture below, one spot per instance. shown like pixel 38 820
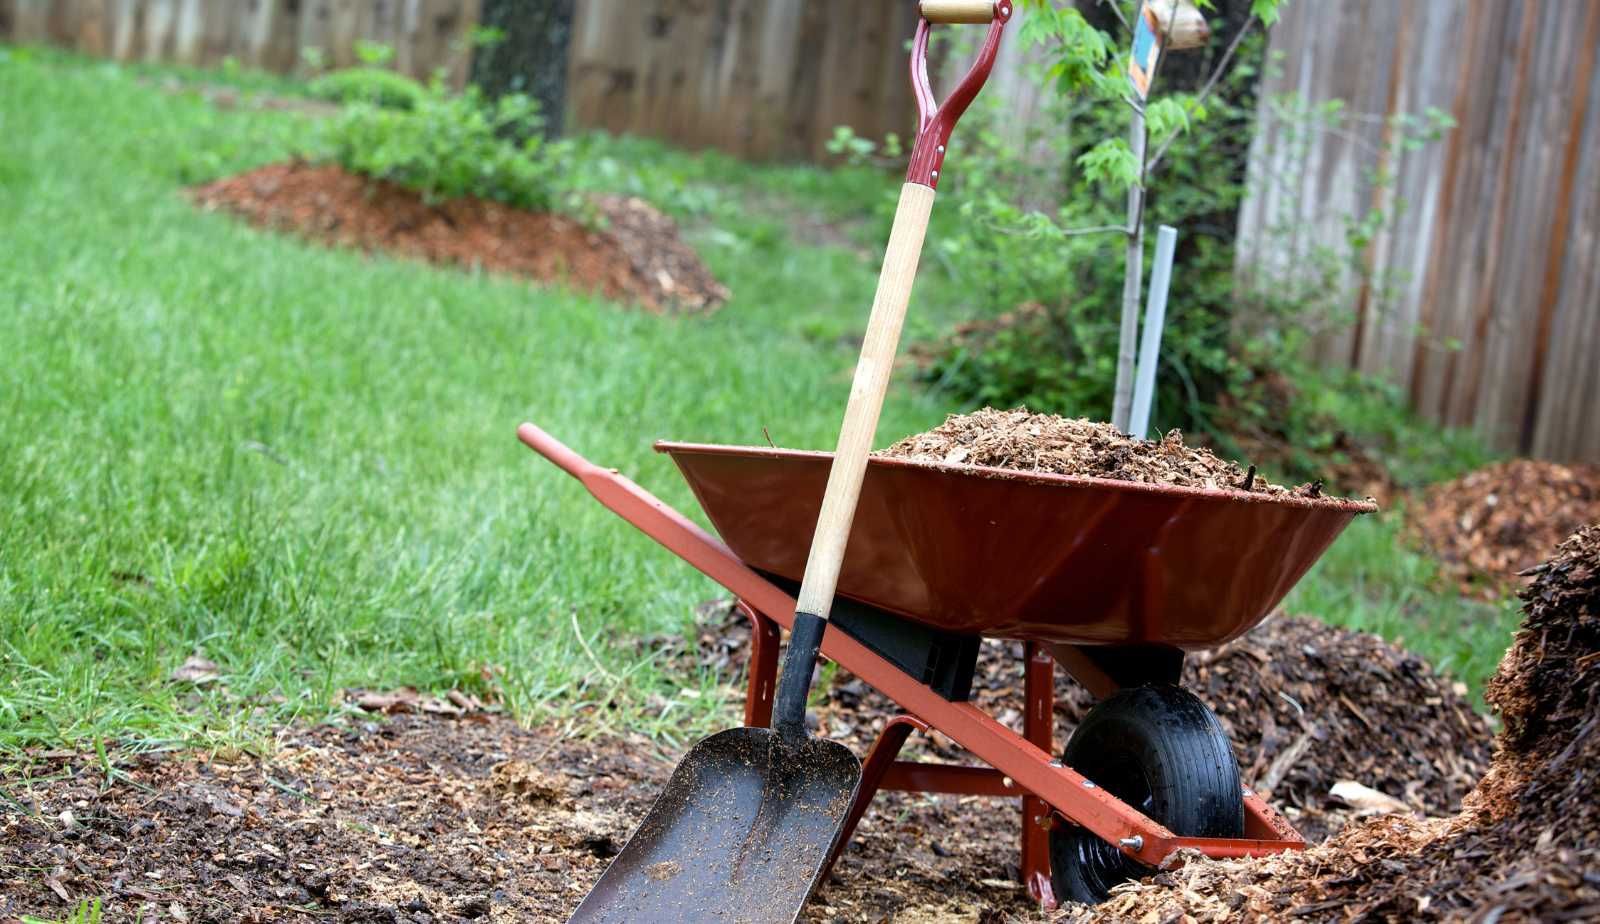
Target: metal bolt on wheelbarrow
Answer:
pixel 1112 580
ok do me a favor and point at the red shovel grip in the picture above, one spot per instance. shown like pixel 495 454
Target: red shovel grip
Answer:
pixel 935 122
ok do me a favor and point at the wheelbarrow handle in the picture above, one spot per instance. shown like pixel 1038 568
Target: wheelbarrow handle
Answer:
pixel 878 349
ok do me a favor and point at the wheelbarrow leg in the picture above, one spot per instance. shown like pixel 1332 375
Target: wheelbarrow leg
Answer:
pixel 1038 727
pixel 879 760
pixel 763 669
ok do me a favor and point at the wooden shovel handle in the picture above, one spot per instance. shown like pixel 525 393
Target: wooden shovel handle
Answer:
pixel 974 12
pixel 866 400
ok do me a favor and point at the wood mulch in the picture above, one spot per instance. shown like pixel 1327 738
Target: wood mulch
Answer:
pixel 634 255
pixel 1525 848
pixel 1491 524
pixel 443 811
pixel 1023 441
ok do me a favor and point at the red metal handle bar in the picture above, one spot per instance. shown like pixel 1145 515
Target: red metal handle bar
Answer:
pixel 936 122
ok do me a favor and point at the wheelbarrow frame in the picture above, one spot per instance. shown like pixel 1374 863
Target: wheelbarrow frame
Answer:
pixel 1019 765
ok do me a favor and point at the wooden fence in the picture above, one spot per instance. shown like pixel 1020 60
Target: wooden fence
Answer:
pixel 1491 318
pixel 1487 305
pixel 269 34
pixel 759 78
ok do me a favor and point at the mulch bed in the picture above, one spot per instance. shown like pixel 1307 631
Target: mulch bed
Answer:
pixel 1527 845
pixel 636 255
pixel 1493 523
pixel 1023 441
pixel 446 812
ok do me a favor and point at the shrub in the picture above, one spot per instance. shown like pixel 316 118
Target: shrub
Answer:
pixel 373 85
pixel 449 145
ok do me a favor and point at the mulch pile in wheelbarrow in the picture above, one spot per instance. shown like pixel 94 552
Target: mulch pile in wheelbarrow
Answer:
pixel 637 256
pixel 1024 441
pixel 1495 522
pixel 1526 847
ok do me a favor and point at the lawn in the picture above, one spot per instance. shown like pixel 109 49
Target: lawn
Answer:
pixel 301 463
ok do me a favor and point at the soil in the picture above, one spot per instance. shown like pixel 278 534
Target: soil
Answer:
pixel 1492 524
pixel 638 256
pixel 1023 441
pixel 1527 845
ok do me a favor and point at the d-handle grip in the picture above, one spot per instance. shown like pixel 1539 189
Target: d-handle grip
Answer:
pixel 973 12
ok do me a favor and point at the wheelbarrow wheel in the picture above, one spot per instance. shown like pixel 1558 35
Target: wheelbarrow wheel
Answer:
pixel 1160 750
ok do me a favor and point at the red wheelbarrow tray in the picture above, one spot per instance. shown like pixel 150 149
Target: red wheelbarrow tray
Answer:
pixel 1034 556
pixel 1068 564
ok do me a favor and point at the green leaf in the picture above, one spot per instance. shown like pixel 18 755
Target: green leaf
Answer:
pixel 1265 10
pixel 1110 163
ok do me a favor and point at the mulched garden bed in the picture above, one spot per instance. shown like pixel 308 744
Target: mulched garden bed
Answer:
pixel 1491 524
pixel 636 255
pixel 446 812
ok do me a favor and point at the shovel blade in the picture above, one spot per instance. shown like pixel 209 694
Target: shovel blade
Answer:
pixel 740 834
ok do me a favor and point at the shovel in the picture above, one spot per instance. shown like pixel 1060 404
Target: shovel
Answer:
pixel 744 830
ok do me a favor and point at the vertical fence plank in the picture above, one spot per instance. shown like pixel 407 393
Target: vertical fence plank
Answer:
pixel 127 17
pixel 219 32
pixel 32 21
pixel 188 43
pixel 160 16
pixel 315 36
pixel 343 25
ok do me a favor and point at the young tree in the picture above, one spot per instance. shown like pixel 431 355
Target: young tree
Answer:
pixel 1085 59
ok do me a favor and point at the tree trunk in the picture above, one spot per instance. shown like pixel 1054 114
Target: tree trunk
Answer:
pixel 1133 276
pixel 531 58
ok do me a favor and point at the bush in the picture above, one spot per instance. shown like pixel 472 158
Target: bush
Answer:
pixel 374 85
pixel 450 145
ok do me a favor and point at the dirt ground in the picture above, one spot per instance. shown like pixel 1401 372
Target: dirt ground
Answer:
pixel 449 813
pixel 635 254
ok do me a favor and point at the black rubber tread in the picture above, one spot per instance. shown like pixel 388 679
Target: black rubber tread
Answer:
pixel 1161 750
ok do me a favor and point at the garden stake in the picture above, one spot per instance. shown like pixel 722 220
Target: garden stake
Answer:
pixel 1155 317
pixel 750 818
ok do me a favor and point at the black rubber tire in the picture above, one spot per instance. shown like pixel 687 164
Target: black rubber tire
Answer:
pixel 1159 749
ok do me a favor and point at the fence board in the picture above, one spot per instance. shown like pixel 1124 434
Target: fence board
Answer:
pixel 427 35
pixel 1494 240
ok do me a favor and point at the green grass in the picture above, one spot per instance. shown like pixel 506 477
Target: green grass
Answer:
pixel 301 463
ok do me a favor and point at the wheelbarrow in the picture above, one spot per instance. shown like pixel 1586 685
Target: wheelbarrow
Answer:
pixel 1114 581
pixel 1111 580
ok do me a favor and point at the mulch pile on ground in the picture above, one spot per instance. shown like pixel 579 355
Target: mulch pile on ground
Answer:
pixel 1501 520
pixel 638 256
pixel 1024 441
pixel 449 813
pixel 1527 845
